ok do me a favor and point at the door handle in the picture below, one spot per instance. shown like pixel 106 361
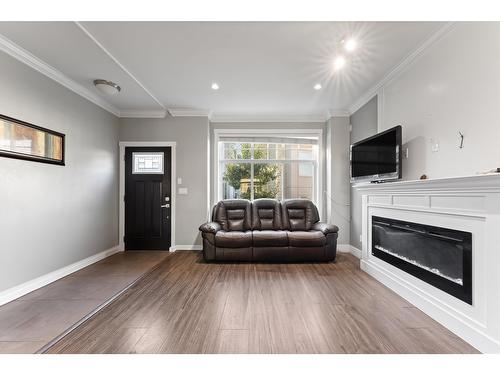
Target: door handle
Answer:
pixel 165 205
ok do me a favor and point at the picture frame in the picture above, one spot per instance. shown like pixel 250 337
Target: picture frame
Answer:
pixel 25 141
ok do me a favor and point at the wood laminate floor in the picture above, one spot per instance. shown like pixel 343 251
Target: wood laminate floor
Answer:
pixel 187 306
pixel 31 322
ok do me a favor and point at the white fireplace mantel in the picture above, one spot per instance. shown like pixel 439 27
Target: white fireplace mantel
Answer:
pixel 471 204
pixel 480 181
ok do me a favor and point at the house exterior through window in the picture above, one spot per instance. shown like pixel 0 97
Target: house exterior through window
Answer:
pixel 268 167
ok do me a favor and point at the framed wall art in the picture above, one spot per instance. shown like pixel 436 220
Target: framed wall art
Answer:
pixel 22 140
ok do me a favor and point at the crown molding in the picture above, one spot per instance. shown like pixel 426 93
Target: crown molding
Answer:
pixel 143 114
pixel 189 112
pixel 405 63
pixel 337 113
pixel 20 54
pixel 221 117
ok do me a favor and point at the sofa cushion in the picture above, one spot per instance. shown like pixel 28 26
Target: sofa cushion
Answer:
pixel 306 239
pixel 269 238
pixel 233 239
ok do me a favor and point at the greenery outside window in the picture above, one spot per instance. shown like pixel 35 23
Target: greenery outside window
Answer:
pixel 281 168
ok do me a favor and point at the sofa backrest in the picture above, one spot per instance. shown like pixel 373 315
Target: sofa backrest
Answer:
pixel 233 214
pixel 266 214
pixel 298 214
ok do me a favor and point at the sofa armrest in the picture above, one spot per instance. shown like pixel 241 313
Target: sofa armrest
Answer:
pixel 210 227
pixel 325 228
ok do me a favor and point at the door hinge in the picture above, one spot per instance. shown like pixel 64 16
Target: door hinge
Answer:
pixel 124 197
pixel 123 238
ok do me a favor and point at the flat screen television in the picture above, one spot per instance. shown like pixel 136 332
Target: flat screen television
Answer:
pixel 377 158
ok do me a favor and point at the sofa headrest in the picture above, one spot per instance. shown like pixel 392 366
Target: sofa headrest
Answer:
pixel 299 214
pixel 266 214
pixel 233 214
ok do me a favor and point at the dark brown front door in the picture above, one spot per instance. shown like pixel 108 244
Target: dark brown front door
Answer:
pixel 148 204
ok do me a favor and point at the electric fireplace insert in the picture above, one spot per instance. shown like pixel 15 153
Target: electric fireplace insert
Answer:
pixel 441 257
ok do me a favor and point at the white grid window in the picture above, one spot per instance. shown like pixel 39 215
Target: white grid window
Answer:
pixel 147 163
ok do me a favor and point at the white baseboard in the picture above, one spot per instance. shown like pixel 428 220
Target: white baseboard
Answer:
pixel 29 286
pixel 356 252
pixel 186 247
pixel 346 248
pixel 343 248
pixel 454 323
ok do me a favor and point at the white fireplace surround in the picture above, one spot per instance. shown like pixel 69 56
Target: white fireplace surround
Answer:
pixel 470 204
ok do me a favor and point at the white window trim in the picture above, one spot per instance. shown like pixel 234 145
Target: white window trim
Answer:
pixel 121 203
pixel 220 133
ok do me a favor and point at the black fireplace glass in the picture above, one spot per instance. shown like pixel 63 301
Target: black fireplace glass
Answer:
pixel 439 256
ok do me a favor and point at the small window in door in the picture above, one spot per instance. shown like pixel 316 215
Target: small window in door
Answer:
pixel 147 163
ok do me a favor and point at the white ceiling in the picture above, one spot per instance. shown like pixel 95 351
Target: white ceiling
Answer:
pixel 264 69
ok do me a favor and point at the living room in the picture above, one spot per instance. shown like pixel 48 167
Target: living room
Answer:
pixel 233 185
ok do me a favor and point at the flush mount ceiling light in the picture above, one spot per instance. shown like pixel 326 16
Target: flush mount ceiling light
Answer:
pixel 317 86
pixel 107 87
pixel 339 63
pixel 215 86
pixel 350 44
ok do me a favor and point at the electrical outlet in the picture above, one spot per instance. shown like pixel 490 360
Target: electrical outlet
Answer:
pixel 361 238
pixel 406 153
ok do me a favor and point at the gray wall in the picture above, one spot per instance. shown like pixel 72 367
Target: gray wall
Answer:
pixel 364 124
pixel 52 216
pixel 262 125
pixel 337 175
pixel 191 135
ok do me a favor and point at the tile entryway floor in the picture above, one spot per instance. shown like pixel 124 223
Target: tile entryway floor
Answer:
pixel 34 320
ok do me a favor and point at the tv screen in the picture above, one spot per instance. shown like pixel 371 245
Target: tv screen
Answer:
pixel 378 157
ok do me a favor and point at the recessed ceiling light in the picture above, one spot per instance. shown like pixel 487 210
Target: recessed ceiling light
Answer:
pixel 350 45
pixel 339 63
pixel 215 86
pixel 317 86
pixel 107 87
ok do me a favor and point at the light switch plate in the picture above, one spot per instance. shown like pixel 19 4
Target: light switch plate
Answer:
pixel 179 181
pixel 434 145
pixel 183 191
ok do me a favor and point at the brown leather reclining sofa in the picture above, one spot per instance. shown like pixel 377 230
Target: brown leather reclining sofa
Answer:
pixel 266 230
